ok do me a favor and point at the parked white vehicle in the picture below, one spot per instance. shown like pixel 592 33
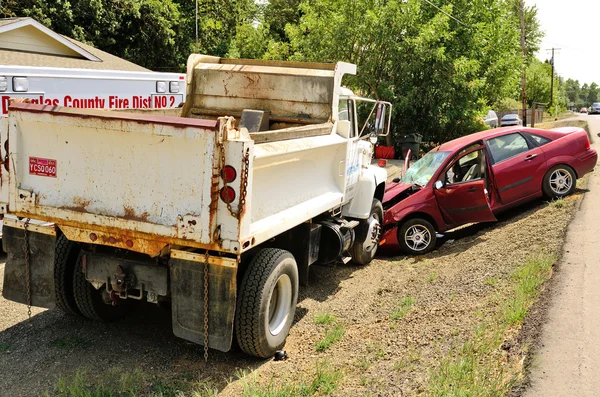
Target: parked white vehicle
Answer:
pixel 90 88
pixel 221 218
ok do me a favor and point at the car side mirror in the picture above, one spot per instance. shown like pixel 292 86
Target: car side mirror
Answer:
pixel 438 185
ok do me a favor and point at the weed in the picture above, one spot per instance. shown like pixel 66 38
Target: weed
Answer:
pixel 478 367
pixel 324 319
pixel 332 335
pixel 529 278
pixel 405 305
pixel 558 203
pixel 432 277
pixel 4 347
pixel 491 281
pixel 324 382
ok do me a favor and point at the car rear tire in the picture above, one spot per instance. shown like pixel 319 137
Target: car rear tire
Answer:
pixel 267 302
pixel 90 302
pixel 367 236
pixel 65 259
pixel 559 181
pixel 417 236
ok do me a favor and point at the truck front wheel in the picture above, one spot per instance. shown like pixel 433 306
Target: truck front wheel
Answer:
pixel 267 302
pixel 367 235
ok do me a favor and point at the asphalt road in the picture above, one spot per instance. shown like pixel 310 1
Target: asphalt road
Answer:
pixel 567 362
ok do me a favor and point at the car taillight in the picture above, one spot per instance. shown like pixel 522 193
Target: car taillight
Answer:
pixel 227 194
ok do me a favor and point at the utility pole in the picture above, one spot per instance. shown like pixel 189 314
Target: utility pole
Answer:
pixel 552 80
pixel 524 66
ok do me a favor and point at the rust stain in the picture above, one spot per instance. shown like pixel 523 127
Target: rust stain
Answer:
pixel 79 204
pixel 129 214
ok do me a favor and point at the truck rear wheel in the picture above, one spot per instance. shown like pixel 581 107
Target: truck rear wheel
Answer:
pixel 267 302
pixel 64 265
pixel 89 299
pixel 367 236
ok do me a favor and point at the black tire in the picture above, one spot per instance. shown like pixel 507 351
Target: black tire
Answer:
pixel 363 250
pixel 427 236
pixel 562 173
pixel 65 259
pixel 270 270
pixel 89 299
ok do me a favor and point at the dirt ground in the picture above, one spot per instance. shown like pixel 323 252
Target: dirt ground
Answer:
pixel 452 289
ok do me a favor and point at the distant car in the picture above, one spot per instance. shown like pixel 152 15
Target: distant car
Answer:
pixel 583 110
pixel 470 179
pixel 510 119
pixel 595 109
pixel 491 119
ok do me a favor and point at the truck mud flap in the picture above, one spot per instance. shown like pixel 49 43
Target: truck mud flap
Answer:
pixel 42 245
pixel 187 294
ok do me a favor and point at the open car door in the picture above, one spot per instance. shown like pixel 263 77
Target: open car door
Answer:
pixel 461 193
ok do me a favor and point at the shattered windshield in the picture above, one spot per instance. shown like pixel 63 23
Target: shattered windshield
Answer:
pixel 422 171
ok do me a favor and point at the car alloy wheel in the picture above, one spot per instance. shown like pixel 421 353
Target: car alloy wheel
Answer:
pixel 561 181
pixel 417 238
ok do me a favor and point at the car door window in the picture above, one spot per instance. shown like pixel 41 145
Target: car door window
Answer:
pixel 507 146
pixel 468 167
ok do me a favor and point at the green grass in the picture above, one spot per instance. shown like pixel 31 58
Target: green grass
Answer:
pixel 528 280
pixel 324 319
pixel 557 203
pixel 491 281
pixel 432 277
pixel 478 367
pixel 332 335
pixel 117 383
pixel 323 382
pixel 405 305
pixel 4 347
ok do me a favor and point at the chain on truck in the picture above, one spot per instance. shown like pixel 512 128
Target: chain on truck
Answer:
pixel 219 212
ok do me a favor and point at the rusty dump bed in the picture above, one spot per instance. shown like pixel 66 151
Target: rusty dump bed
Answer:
pixel 144 178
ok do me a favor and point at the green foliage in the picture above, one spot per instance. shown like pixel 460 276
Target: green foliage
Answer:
pixel 157 34
pixel 332 335
pixel 324 318
pixel 528 280
pixel 324 382
pixel 507 104
pixel 405 305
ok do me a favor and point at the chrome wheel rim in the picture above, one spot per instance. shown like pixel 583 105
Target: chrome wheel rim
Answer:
pixel 279 304
pixel 417 237
pixel 561 181
pixel 373 233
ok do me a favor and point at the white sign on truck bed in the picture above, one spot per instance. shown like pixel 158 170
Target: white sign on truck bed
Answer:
pixel 220 211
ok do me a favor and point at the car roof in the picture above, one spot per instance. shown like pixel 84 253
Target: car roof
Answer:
pixel 461 142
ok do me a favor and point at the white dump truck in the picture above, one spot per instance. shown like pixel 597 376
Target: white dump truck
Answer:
pixel 219 212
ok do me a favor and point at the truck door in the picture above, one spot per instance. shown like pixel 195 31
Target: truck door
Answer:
pixel 462 193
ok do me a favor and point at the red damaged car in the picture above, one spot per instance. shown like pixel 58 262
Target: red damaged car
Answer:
pixel 474 177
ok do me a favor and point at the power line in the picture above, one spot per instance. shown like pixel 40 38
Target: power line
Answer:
pixel 445 13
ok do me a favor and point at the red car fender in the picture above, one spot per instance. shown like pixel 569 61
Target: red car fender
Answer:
pixel 579 167
pixel 423 202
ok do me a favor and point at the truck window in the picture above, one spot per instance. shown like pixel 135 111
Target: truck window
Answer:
pixel 346 112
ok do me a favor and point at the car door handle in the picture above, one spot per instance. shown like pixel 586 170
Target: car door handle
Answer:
pixel 530 157
pixel 472 189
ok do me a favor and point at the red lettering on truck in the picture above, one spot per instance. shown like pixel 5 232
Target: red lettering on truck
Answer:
pixel 42 167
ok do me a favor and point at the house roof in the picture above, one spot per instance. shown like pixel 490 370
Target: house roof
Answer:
pixel 26 42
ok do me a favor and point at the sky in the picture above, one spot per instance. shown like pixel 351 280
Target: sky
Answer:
pixel 574 27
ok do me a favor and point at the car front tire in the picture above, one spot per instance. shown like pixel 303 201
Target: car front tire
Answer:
pixel 417 236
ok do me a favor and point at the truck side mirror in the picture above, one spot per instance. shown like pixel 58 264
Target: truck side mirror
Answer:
pixel 438 185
